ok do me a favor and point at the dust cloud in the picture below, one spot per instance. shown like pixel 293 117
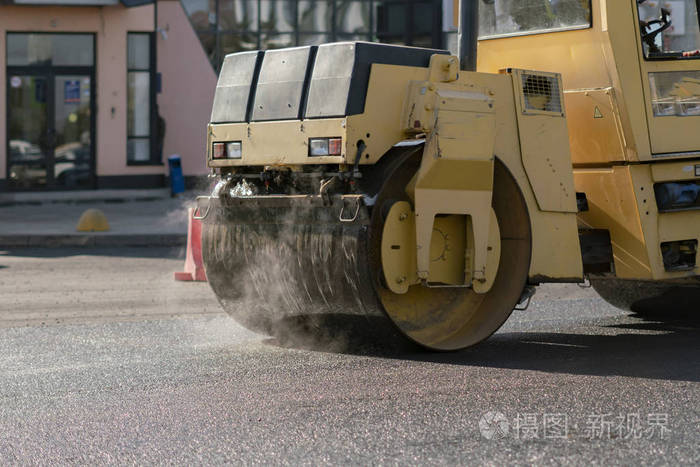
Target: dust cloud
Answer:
pixel 294 274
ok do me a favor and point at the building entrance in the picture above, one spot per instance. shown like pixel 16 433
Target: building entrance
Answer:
pixel 50 111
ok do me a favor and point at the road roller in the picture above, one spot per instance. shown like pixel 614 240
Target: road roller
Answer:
pixel 389 193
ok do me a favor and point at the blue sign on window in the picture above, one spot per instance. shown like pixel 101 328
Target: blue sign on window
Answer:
pixel 71 91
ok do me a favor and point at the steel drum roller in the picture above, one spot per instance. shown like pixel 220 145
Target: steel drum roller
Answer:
pixel 299 264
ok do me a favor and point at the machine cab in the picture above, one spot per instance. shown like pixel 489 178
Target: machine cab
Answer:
pixel 669 55
pixel 630 70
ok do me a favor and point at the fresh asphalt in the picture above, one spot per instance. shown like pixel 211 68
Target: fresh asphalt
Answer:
pixel 104 358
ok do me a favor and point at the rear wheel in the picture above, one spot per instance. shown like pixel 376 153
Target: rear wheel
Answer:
pixel 657 300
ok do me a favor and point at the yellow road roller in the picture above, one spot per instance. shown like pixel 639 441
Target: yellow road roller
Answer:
pixel 379 191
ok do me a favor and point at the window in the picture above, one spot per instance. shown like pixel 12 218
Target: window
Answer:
pixel 669 29
pixel 228 26
pixel 675 93
pixel 415 23
pixel 315 16
pixel 352 17
pixel 141 147
pixel 518 17
pixel 39 49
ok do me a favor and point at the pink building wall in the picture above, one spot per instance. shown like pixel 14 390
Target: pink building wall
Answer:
pixel 188 79
pixel 189 82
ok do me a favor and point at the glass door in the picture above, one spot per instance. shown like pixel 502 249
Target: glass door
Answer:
pixel 50 131
pixel 71 164
pixel 50 110
pixel 28 131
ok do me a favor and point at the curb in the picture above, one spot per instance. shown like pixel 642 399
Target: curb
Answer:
pixel 82 197
pixel 5 203
pixel 91 241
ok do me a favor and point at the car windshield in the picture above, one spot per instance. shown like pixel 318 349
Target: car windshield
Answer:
pixel 670 29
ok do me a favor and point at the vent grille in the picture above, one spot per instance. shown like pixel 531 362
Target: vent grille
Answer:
pixel 541 93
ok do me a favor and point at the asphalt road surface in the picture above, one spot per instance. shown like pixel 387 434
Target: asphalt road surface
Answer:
pixel 104 358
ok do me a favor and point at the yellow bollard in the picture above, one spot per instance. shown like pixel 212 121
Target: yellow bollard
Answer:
pixel 93 220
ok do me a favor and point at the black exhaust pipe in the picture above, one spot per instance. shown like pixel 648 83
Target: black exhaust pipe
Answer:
pixel 467 34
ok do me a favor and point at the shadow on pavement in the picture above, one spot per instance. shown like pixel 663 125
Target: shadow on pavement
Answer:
pixel 685 300
pixel 642 349
pixel 126 252
pixel 671 352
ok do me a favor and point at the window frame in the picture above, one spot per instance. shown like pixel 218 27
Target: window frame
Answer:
pixel 155 158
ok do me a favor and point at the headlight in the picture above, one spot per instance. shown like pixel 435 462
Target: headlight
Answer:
pixel 680 255
pixel 233 150
pixel 325 147
pixel 677 196
pixel 230 150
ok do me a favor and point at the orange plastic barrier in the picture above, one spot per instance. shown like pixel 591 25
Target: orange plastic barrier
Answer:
pixel 194 266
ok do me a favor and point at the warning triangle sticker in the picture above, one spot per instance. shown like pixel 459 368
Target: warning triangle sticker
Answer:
pixel 597 113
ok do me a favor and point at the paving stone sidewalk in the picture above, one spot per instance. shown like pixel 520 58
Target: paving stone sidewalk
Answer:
pixel 136 218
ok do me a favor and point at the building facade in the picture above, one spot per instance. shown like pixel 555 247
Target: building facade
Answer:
pixel 225 26
pixel 95 98
pixel 98 93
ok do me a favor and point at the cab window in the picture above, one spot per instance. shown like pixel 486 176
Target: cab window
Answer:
pixel 499 18
pixel 675 93
pixel 669 29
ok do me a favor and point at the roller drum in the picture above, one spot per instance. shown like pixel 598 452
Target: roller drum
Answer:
pixel 295 273
pixel 288 266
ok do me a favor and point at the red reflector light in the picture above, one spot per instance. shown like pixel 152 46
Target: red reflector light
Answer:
pixel 334 146
pixel 219 151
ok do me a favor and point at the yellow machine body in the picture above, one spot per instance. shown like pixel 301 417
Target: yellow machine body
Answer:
pixel 467 122
pixel 620 146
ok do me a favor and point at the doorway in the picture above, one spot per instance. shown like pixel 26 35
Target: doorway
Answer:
pixel 50 112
